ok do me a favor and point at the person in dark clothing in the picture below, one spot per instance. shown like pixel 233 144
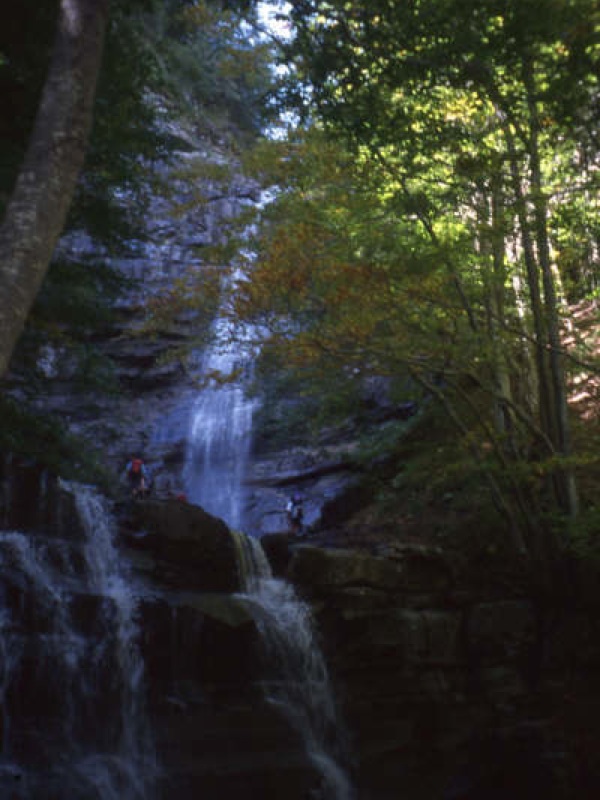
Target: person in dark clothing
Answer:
pixel 295 515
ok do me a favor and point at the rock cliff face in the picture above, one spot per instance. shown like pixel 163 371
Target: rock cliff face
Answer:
pixel 167 702
pixel 216 734
pixel 149 412
pixel 152 410
pixel 447 688
pixel 451 691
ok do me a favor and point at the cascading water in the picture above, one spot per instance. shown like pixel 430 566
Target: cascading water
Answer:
pixel 106 577
pixel 220 436
pixel 299 683
pixel 218 452
pixel 73 721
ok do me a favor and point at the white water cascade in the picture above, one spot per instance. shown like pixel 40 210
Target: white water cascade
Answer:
pixel 298 683
pixel 220 435
pixel 80 731
pixel 296 680
pixel 106 577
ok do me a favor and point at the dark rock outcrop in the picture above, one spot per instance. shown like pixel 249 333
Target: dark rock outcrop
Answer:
pixel 180 546
pixel 64 648
pixel 32 499
pixel 450 686
pixel 216 733
pixel 449 691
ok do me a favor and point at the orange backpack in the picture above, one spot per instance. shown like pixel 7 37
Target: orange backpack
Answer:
pixel 136 466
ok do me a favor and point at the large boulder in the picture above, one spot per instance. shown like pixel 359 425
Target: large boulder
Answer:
pixel 180 545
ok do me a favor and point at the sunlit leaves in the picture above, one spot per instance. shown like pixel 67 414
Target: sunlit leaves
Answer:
pixel 425 242
pixel 212 65
pixel 341 280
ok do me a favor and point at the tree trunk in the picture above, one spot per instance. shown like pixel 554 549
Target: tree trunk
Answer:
pixel 36 213
pixel 496 301
pixel 566 488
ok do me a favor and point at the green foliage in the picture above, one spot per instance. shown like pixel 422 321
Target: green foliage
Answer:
pixel 79 295
pixel 426 88
pixel 110 200
pixel 47 441
pixel 381 443
pixel 124 132
pixel 210 65
pixel 417 219
pixel 74 306
pixel 584 538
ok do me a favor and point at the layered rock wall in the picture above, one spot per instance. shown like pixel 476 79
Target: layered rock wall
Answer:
pixel 448 688
pixel 66 704
pixel 451 692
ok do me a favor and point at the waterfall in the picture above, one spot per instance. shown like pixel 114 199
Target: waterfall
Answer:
pixel 220 435
pixel 299 683
pixel 73 720
pixel 107 577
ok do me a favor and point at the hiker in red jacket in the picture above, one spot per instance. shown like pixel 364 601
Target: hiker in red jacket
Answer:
pixel 137 475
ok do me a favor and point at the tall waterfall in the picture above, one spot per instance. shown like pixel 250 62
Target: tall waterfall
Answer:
pixel 220 436
pixel 298 682
pixel 73 721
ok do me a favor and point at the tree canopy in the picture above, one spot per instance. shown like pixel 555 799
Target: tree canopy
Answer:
pixel 439 219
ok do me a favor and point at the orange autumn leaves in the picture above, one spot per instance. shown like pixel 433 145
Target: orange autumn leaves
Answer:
pixel 324 306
